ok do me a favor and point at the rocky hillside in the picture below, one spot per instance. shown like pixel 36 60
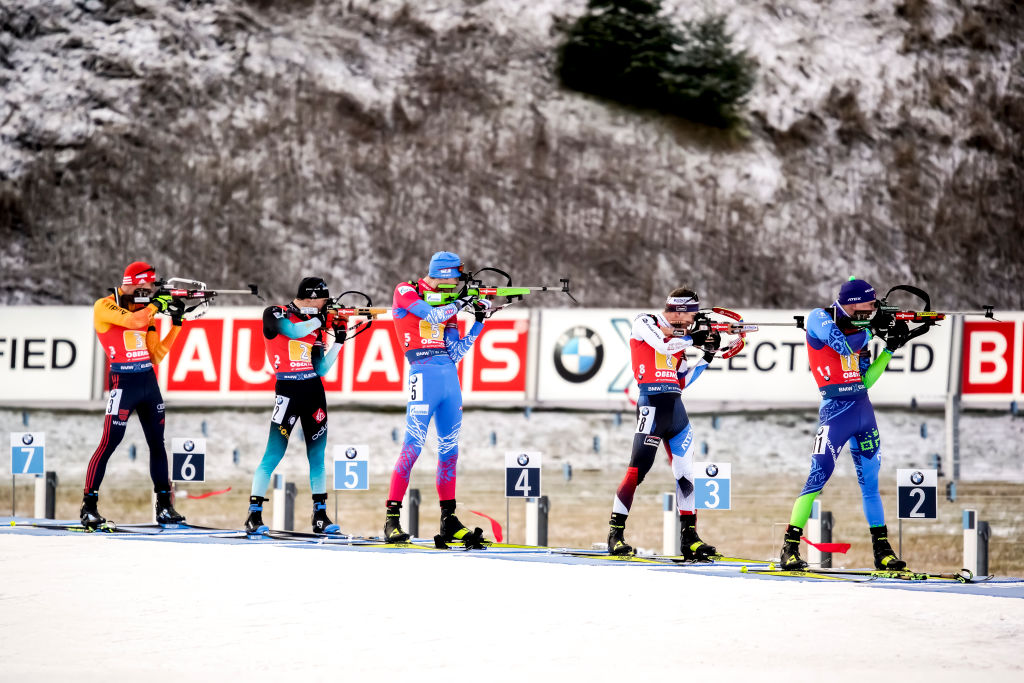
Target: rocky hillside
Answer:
pixel 260 141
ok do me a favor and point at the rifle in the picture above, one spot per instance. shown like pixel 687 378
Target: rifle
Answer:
pixel 473 287
pixel 336 309
pixel 894 318
pixel 193 293
pixel 736 326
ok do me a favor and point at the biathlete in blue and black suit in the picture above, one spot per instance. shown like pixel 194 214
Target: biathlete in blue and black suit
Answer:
pixel 427 331
pixel 837 340
pixel 295 339
pixel 658 345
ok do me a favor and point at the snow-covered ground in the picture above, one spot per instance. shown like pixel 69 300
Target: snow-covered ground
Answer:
pixel 99 608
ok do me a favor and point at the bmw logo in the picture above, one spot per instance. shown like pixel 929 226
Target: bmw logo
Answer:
pixel 280 400
pixel 916 478
pixel 27 439
pixel 712 470
pixel 645 411
pixel 189 446
pixel 351 453
pixel 523 459
pixel 579 353
pixel 413 379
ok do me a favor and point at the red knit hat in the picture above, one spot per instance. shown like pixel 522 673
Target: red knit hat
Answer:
pixel 139 273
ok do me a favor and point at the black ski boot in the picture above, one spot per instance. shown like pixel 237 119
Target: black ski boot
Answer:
pixel 616 543
pixel 790 557
pixel 165 512
pixel 885 556
pixel 322 524
pixel 254 524
pixel 693 548
pixel 453 530
pixel 392 524
pixel 91 518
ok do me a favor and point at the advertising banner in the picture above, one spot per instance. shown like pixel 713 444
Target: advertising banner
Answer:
pixel 221 356
pixel 46 353
pixel 584 359
pixel 993 368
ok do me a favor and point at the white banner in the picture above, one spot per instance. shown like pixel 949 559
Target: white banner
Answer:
pixel 584 359
pixel 46 353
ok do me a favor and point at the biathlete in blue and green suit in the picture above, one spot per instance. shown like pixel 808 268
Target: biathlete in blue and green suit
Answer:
pixel 837 340
pixel 427 331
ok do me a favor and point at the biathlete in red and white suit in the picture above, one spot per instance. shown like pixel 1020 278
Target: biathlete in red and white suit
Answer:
pixel 661 371
pixel 427 331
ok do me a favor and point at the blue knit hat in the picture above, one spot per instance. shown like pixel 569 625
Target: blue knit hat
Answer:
pixel 855 291
pixel 445 264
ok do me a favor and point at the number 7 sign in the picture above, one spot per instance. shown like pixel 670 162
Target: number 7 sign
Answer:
pixel 27 452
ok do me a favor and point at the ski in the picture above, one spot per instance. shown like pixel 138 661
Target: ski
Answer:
pixel 107 527
pixel 805 574
pixel 963 576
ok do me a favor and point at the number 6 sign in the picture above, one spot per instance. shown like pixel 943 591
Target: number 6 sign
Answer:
pixel 188 459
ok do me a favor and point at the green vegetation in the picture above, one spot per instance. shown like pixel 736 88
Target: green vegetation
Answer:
pixel 628 51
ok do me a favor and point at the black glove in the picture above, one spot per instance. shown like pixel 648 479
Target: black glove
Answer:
pixel 339 325
pixel 881 322
pixel 713 341
pixel 481 309
pixel 700 337
pixel 709 356
pixel 176 309
pixel 897 336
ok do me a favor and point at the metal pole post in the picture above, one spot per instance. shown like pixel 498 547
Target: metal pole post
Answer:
pixel 970 524
pixel 953 395
pixel 532 521
pixel 290 493
pixel 542 521
pixel 414 513
pixel 671 542
pixel 813 531
pixel 827 524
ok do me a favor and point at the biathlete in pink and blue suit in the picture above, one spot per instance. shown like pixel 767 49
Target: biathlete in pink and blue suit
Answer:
pixel 427 331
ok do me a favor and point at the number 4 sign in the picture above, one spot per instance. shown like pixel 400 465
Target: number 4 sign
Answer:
pixel 351 467
pixel 188 459
pixel 522 474
pixel 712 483
pixel 27 452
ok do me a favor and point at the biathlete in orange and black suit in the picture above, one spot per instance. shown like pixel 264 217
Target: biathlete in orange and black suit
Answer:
pixel 132 347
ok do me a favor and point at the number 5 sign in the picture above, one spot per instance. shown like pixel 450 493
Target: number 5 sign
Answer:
pixel 351 467
pixel 27 452
pixel 917 492
pixel 522 474
pixel 188 459
pixel 712 483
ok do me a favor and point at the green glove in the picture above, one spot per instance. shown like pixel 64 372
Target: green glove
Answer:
pixel 161 302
